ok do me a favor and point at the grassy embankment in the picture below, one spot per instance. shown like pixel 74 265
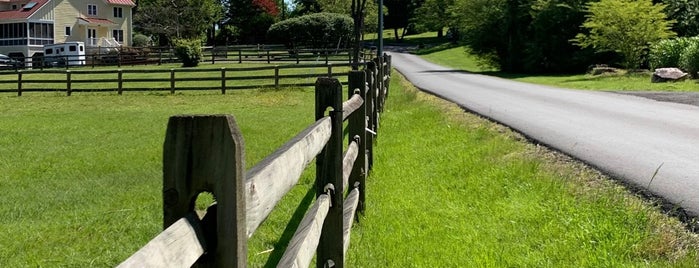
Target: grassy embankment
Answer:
pixel 81 178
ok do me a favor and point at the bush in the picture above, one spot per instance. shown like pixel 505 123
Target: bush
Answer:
pixel 188 51
pixel 666 53
pixel 689 59
pixel 319 30
pixel 140 40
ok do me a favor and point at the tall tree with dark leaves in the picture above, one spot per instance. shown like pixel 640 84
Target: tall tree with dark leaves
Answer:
pixel 252 18
pixel 172 19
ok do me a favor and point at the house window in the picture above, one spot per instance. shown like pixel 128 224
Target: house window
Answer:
pixel 118 35
pixel 92 10
pixel 118 12
pixel 68 30
pixel 14 7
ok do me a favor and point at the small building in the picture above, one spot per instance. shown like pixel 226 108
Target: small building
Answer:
pixel 27 25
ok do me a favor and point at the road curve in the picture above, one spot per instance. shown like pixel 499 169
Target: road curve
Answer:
pixel 625 136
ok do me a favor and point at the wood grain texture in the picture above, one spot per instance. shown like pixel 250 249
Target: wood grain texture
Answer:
pixel 177 246
pixel 268 181
pixel 303 245
pixel 204 153
pixel 350 210
pixel 351 105
pixel 348 162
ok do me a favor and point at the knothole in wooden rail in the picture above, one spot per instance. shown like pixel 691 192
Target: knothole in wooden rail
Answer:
pixel 205 153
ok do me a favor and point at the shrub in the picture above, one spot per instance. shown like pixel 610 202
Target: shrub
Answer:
pixel 666 53
pixel 626 27
pixel 140 40
pixel 319 30
pixel 188 51
pixel 689 59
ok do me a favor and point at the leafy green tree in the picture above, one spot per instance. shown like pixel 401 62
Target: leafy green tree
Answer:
pixel 251 18
pixel 686 13
pixel 317 30
pixel 626 27
pixel 172 19
pixel 433 15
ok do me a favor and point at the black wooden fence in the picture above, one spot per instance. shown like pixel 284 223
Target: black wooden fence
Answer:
pixel 172 80
pixel 205 153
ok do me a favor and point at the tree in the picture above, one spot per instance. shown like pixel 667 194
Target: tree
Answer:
pixel 171 19
pixel 433 15
pixel 251 18
pixel 686 13
pixel 626 27
pixel 400 12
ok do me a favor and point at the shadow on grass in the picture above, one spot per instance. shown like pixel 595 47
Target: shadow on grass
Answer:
pixel 283 242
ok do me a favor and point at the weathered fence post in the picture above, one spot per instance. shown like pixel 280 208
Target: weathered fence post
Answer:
pixel 370 105
pixel 120 84
pixel 276 76
pixel 69 86
pixel 329 172
pixel 240 56
pixel 223 80
pixel 205 154
pixel 19 83
pixel 330 69
pixel 172 81
pixel 356 125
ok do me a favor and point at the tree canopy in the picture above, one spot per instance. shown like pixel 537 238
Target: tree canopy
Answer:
pixel 171 19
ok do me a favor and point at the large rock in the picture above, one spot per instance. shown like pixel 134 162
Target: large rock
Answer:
pixel 668 74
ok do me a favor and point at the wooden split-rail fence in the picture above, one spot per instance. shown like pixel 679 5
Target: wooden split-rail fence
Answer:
pixel 205 154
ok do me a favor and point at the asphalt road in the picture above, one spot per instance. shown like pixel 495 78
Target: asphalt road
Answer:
pixel 626 136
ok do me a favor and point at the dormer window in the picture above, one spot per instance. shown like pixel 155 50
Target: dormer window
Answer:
pixel 92 10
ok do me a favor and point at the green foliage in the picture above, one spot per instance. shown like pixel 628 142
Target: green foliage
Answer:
pixel 188 51
pixel 140 40
pixel 319 30
pixel 689 59
pixel 177 18
pixel 432 15
pixel 686 13
pixel 523 36
pixel 666 52
pixel 250 19
pixel 626 27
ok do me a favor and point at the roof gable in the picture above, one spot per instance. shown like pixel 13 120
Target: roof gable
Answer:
pixel 121 2
pixel 22 13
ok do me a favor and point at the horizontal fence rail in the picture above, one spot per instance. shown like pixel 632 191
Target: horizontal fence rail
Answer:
pixel 172 80
pixel 131 56
pixel 205 153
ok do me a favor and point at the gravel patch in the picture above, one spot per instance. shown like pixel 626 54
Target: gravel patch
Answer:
pixel 691 98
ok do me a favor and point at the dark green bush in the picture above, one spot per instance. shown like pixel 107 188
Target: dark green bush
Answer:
pixel 188 51
pixel 689 59
pixel 319 30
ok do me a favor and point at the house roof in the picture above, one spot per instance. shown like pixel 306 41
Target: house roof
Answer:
pixel 21 13
pixel 122 2
pixel 95 21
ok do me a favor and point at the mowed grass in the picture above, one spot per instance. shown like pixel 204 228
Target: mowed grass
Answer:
pixel 81 181
pixel 454 190
pixel 459 58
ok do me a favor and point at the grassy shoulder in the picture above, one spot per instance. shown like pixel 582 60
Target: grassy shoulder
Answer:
pixel 457 57
pixel 81 178
pixel 454 190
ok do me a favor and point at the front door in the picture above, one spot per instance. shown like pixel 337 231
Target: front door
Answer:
pixel 91 37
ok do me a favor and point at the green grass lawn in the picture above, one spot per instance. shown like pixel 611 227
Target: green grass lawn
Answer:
pixel 81 181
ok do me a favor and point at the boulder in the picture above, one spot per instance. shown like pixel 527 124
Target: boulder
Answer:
pixel 668 74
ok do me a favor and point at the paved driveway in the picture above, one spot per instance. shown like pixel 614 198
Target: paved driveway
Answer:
pixel 628 137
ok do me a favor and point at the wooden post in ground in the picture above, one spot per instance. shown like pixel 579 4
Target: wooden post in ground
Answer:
pixel 120 84
pixel 172 81
pixel 223 80
pixel 19 83
pixel 69 84
pixel 356 125
pixel 370 105
pixel 329 172
pixel 205 154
